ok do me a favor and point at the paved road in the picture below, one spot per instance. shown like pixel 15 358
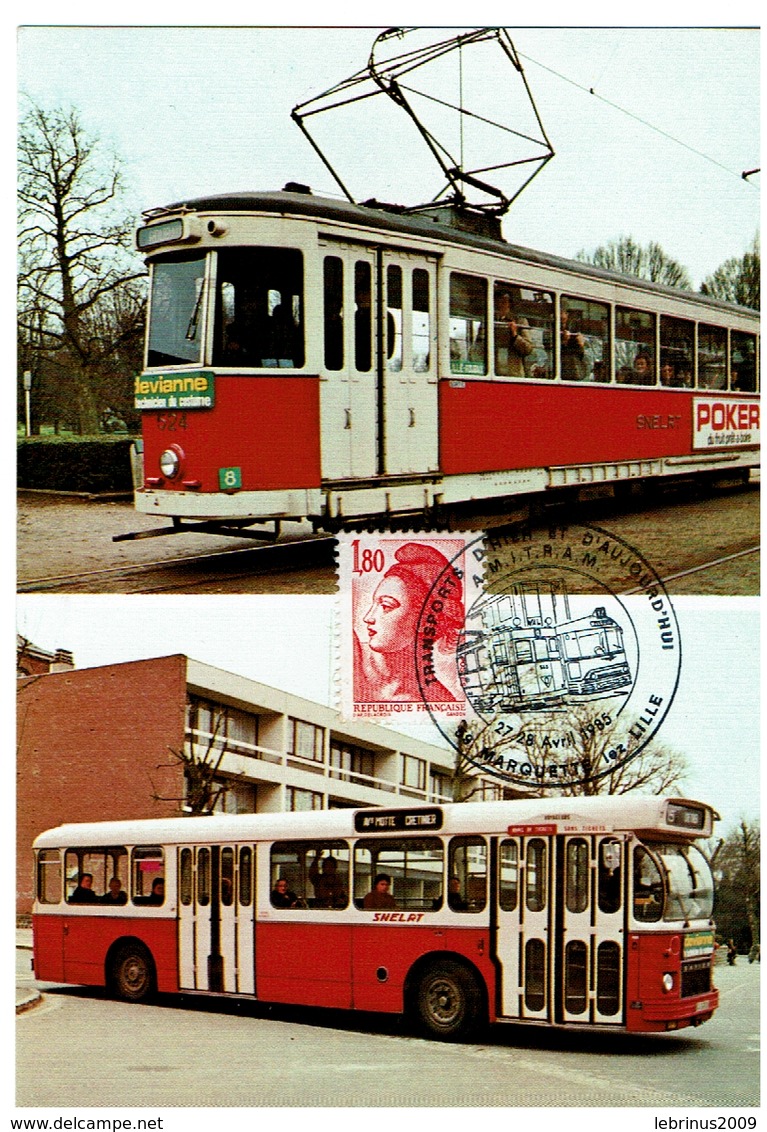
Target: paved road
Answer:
pixel 223 1054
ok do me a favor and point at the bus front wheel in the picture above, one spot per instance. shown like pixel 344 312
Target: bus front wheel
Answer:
pixel 133 973
pixel 448 1001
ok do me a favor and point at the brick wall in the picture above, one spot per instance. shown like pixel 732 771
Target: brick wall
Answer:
pixel 89 745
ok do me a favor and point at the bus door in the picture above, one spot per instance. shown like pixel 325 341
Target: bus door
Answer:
pixel 348 384
pixel 216 924
pixel 523 945
pixel 408 336
pixel 588 981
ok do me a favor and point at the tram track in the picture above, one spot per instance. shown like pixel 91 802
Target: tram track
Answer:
pixel 233 565
pixel 217 566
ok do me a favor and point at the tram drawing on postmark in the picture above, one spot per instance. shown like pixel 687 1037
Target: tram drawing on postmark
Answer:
pixel 547 657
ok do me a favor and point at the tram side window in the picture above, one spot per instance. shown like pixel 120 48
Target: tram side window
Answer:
pixel 259 308
pixel 468 324
pixel 421 327
pixel 148 875
pixel 467 874
pixel 584 340
pixel 712 357
pixel 413 866
pixel 88 873
pixel 363 317
pixel 333 290
pixel 742 362
pixel 508 876
pixel 315 874
pixel 394 318
pixel 677 351
pixel 524 332
pixel 49 876
pixel 175 310
pixel 634 347
pixel 648 887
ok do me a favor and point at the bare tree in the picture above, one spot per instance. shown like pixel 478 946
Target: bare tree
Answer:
pixel 595 755
pixel 737 280
pixel 201 762
pixel 647 261
pixel 736 864
pixel 76 263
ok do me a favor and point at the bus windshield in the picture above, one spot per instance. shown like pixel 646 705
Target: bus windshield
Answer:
pixel 176 309
pixel 673 882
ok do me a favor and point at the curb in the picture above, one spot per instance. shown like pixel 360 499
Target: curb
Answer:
pixel 27 1000
pixel 87 496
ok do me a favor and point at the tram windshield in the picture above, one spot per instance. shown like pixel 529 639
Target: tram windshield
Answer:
pixel 672 882
pixel 176 311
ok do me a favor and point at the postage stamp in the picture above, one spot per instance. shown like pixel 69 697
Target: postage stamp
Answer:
pixel 547 656
pixel 401 594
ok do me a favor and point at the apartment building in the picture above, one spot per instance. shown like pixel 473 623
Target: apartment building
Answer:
pixel 129 740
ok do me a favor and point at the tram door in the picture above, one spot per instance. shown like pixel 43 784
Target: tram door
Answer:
pixel 348 376
pixel 409 364
pixel 216 923
pixel 589 960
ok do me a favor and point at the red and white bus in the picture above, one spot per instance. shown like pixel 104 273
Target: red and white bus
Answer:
pixel 577 912
pixel 314 359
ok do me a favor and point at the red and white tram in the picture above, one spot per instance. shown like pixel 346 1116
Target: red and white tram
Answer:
pixel 311 358
pixel 577 912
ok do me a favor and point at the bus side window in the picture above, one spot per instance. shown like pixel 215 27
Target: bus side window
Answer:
pixel 467 874
pixel 414 866
pixel 609 876
pixel 49 876
pixel 508 876
pixel 148 875
pixel 89 871
pixel 245 877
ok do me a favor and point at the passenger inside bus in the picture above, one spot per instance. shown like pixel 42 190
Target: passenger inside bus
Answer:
pixel 157 895
pixel 329 891
pixel 84 893
pixel 512 338
pixel 379 896
pixel 454 897
pixel 115 894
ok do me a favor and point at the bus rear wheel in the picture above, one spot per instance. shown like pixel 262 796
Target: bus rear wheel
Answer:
pixel 448 1001
pixel 132 973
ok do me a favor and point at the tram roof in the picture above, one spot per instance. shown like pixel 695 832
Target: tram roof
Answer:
pixel 429 224
pixel 582 813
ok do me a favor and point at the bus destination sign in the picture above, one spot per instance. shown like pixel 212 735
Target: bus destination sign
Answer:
pixel 384 821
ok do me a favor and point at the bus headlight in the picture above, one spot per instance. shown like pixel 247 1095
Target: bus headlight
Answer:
pixel 668 982
pixel 170 461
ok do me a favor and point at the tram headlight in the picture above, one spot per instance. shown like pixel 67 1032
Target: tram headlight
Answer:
pixel 668 982
pixel 170 461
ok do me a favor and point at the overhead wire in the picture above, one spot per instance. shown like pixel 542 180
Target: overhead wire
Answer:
pixel 637 118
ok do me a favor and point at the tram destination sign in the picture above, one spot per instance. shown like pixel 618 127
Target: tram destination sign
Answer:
pixel 385 821
pixel 177 391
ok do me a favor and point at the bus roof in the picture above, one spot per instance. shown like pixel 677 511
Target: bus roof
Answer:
pixel 602 813
pixel 392 218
